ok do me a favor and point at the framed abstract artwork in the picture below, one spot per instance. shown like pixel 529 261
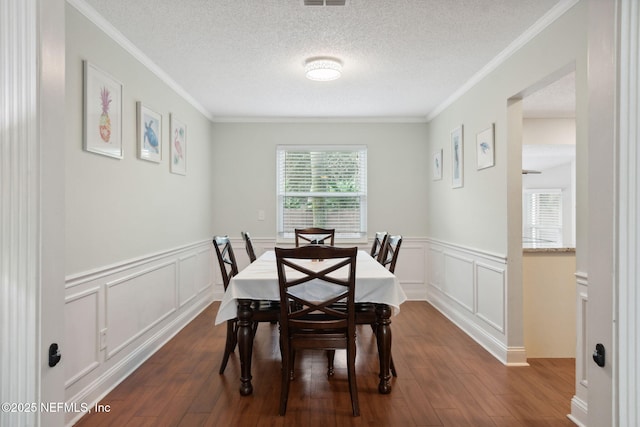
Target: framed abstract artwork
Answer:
pixel 436 165
pixel 178 142
pixel 485 148
pixel 457 157
pixel 149 134
pixel 102 112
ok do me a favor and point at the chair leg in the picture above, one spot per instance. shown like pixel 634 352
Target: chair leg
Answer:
pixel 292 363
pixel 353 387
pixel 230 345
pixel 330 356
pixel 285 380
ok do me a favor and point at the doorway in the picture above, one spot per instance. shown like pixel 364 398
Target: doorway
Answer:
pixel 549 218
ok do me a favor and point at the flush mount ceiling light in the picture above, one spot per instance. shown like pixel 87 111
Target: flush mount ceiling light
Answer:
pixel 323 69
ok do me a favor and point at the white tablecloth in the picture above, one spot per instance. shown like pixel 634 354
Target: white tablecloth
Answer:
pixel 259 281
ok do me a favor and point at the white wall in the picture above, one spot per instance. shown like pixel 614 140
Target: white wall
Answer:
pixel 138 259
pixel 485 216
pixel 244 166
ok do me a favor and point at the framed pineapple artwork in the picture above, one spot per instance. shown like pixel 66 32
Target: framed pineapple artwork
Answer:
pixel 102 112
pixel 149 134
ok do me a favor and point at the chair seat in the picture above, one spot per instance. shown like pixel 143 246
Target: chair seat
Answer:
pixel 365 312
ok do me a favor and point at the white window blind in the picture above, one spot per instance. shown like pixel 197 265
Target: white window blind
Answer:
pixel 542 219
pixel 322 186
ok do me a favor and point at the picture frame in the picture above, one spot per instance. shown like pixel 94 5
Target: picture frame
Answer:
pixel 485 152
pixel 178 143
pixel 102 112
pixel 436 165
pixel 149 127
pixel 457 157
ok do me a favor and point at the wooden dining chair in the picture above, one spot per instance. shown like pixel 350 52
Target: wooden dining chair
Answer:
pixel 248 245
pixel 390 251
pixel 314 324
pixel 378 243
pixel 366 312
pixel 315 236
pixel 263 311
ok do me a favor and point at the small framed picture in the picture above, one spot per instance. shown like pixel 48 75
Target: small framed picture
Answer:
pixel 149 134
pixel 485 148
pixel 102 112
pixel 457 157
pixel 178 141
pixel 436 165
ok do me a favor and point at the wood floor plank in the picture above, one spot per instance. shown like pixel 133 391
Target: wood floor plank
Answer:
pixel 444 379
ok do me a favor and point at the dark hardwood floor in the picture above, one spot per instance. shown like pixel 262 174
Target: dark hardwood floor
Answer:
pixel 444 379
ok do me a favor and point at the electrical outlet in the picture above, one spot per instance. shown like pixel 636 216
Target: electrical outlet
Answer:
pixel 261 215
pixel 103 339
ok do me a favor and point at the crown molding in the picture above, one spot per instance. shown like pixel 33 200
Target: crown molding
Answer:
pixel 547 19
pixel 92 15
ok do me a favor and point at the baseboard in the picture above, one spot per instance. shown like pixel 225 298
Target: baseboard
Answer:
pixel 579 412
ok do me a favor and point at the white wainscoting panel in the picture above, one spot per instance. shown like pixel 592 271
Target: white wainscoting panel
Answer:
pixel 117 316
pixel 459 283
pixel 187 287
pixel 131 311
pixel 470 288
pixel 435 267
pixel 490 291
pixel 410 268
pixel 81 325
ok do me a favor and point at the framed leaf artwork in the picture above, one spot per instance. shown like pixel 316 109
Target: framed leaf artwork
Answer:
pixel 457 157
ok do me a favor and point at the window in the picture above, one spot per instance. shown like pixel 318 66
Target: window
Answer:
pixel 322 186
pixel 542 219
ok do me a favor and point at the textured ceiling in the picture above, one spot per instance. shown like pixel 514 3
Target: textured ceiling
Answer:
pixel 244 59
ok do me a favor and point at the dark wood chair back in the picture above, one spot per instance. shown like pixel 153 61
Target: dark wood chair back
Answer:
pixel 390 252
pixel 263 311
pixel 226 258
pixel 315 324
pixel 378 243
pixel 315 236
pixel 248 245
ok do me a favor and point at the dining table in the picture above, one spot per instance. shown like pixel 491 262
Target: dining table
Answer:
pixel 259 281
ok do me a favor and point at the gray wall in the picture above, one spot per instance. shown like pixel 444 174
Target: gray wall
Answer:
pixel 119 209
pixel 244 172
